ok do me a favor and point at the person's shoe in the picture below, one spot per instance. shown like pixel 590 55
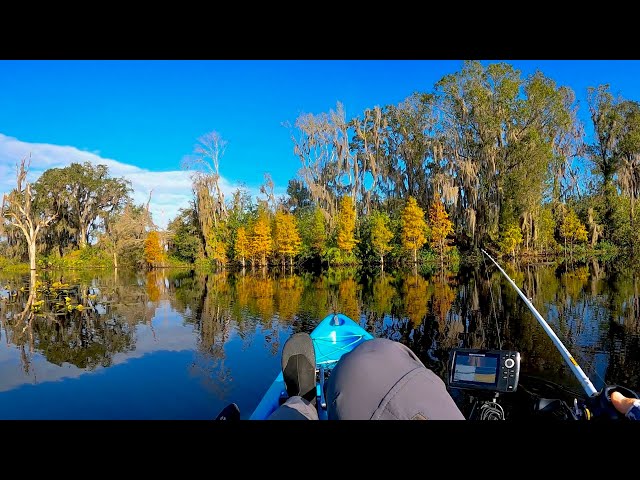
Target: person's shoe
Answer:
pixel 230 412
pixel 299 366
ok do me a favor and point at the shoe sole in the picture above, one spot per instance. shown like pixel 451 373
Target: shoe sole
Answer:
pixel 299 366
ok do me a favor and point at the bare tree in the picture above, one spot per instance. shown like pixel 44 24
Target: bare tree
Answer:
pixel 369 132
pixel 126 230
pixel 18 210
pixel 209 198
pixel 208 152
pixel 267 190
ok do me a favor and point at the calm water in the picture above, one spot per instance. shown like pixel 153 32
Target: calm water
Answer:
pixel 182 345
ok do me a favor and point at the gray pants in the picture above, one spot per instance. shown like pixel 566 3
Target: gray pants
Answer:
pixel 295 408
pixel 378 380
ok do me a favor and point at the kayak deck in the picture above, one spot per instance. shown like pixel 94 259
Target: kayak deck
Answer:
pixel 334 336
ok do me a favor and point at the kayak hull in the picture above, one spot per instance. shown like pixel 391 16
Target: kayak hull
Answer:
pixel 334 336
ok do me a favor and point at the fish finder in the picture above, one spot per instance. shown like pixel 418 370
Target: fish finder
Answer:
pixel 477 369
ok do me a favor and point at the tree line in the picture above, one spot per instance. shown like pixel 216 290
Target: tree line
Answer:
pixel 488 158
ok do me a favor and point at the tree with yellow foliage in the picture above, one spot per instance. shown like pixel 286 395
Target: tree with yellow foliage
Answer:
pixel 346 225
pixel 153 252
pixel 381 235
pixel 415 297
pixel 287 239
pixel 440 227
pixel 413 227
pixel 511 239
pixel 261 242
pixel 219 251
pixel 572 229
pixel 242 245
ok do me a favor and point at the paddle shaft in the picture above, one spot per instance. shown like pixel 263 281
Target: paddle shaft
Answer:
pixel 573 365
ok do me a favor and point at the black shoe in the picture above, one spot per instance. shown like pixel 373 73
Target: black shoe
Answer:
pixel 230 412
pixel 299 366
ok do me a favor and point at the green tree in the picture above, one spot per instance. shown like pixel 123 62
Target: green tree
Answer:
pixel 629 150
pixel 84 194
pixel 312 229
pixel 299 196
pixel 504 140
pixel 318 232
pixel 125 231
pixel 62 235
pixel 381 235
pixel 608 118
pixel 184 238
pixel 546 229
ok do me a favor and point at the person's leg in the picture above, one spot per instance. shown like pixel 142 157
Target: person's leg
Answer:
pixel 295 408
pixel 381 379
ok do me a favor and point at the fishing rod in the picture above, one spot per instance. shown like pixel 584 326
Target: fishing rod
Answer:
pixel 571 362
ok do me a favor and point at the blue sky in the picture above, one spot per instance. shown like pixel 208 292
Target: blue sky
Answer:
pixel 143 117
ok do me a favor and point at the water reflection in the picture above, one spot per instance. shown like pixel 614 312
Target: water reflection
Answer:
pixel 180 344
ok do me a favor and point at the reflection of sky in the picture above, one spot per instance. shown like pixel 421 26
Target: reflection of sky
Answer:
pixel 170 335
pixel 601 363
pixel 582 333
pixel 582 323
pixel 168 375
pixel 585 332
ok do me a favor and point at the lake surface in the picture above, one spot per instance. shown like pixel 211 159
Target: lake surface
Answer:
pixel 182 345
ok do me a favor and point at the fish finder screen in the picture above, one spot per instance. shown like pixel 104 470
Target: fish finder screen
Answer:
pixel 475 368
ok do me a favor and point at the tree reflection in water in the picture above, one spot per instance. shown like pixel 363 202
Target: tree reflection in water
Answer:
pixel 86 319
pixel 73 322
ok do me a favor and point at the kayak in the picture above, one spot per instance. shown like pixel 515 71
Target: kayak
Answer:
pixel 334 336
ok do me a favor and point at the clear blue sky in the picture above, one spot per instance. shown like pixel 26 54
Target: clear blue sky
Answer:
pixel 150 113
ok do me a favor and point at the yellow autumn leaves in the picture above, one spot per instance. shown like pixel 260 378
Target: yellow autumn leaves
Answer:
pixel 278 237
pixel 346 225
pixel 259 242
pixel 415 230
pixel 153 252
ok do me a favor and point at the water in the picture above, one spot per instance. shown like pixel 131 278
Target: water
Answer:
pixel 182 345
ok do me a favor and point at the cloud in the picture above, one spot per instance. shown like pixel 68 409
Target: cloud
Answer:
pixel 171 189
pixel 171 335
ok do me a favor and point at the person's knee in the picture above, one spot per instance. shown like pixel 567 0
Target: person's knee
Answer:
pixel 383 379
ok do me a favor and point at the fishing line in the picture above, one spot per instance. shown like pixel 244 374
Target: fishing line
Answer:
pixel 493 307
pixel 582 354
pixel 576 349
pixel 571 362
